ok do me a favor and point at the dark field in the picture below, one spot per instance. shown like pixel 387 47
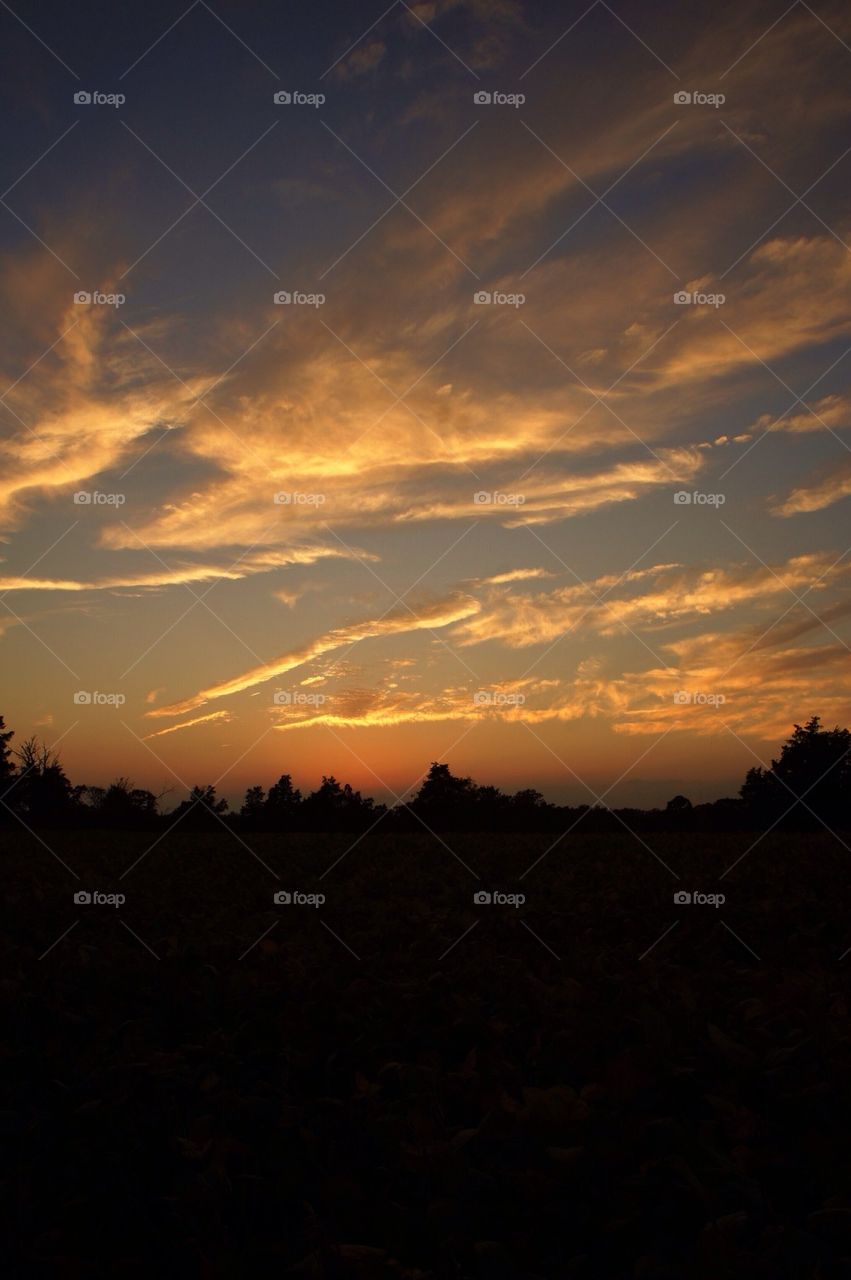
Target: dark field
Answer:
pixel 356 1096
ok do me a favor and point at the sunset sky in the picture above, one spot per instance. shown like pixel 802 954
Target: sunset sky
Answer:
pixel 385 616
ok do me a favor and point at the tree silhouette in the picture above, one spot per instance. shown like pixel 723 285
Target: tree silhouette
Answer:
pixel 445 801
pixel 529 799
pixel 121 804
pixel 810 781
pixel 334 807
pixel 811 777
pixel 201 811
pixel 42 792
pixel 7 765
pixel 282 804
pixel 442 790
pixel 253 808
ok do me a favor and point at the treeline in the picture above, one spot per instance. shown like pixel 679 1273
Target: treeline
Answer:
pixel 809 785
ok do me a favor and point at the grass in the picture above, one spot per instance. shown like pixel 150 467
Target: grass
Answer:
pixel 402 1083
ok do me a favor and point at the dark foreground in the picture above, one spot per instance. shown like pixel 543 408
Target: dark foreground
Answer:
pixel 403 1083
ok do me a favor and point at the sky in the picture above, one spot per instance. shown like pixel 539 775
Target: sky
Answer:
pixel 464 380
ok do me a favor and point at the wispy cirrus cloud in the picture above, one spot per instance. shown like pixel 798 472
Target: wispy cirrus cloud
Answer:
pixel 220 717
pixel 818 492
pixel 438 614
pixel 185 574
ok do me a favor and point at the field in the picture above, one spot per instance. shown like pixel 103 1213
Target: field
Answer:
pixel 595 1083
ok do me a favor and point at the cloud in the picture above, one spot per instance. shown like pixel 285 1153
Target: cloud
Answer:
pixel 734 687
pixel 363 59
pixel 816 494
pixel 514 417
pixel 755 667
pixel 181 575
pixel 438 614
pixel 80 409
pixel 516 575
pixel 607 606
pixel 763 691
pixel 221 716
pixel 833 411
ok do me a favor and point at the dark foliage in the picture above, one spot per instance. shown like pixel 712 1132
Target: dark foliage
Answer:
pixel 122 805
pixel 809 785
pixel 40 791
pixel 7 767
pixel 811 780
pixel 202 811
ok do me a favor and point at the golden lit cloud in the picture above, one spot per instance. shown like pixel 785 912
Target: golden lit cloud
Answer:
pixel 817 494
pixel 439 614
pixel 222 717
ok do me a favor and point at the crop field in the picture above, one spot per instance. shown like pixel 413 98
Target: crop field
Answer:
pixel 384 1077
